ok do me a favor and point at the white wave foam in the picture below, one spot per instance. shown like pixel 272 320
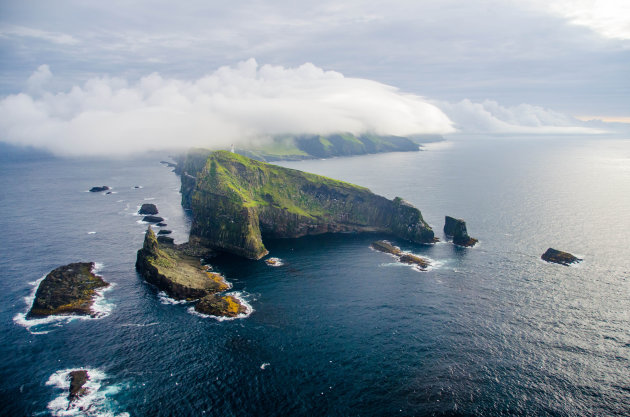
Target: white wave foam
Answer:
pixel 91 233
pixel 275 262
pixel 100 308
pixel 94 402
pixel 165 299
pixel 264 365
pixel 139 324
pixel 236 294
pixel 148 198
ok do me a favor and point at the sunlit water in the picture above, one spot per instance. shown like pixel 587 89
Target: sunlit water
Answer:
pixel 339 329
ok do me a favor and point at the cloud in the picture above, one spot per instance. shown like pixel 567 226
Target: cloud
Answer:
pixel 491 118
pixel 233 104
pixel 54 37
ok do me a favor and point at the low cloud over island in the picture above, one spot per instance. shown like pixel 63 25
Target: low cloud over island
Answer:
pixel 242 104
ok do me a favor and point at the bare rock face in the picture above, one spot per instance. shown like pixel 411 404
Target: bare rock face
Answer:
pixel 173 270
pixel 559 257
pixel 235 201
pixel 148 208
pixel 221 306
pixel 69 289
pixel 77 381
pixel 456 228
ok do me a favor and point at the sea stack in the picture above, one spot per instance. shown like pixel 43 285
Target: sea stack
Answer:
pixel 559 257
pixel 69 289
pixel 77 381
pixel 456 228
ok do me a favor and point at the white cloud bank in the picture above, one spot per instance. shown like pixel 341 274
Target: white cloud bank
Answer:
pixel 109 116
pixel 490 117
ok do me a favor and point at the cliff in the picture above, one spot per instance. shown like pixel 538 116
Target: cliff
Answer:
pixel 236 200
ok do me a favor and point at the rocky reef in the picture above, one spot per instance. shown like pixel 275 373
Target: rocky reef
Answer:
pixel 152 219
pixel 77 381
pixel 222 306
pixel 172 270
pixel 559 257
pixel 456 228
pixel 404 257
pixel 69 289
pixel 236 200
pixel 148 208
pixel 98 189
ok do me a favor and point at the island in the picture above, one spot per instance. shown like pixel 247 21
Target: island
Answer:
pixel 456 228
pixel 148 208
pixel 78 379
pixel 559 257
pixel 222 306
pixel 235 201
pixel 69 289
pixel 98 189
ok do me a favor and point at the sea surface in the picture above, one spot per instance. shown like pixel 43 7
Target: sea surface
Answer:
pixel 338 329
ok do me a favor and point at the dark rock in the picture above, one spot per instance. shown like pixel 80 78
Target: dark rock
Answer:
pixel 148 208
pixel 173 270
pixel 77 381
pixel 161 224
pixel 168 164
pixel 166 239
pixel 404 257
pixel 385 246
pixel 136 186
pixel 164 232
pixel 99 189
pixel 69 289
pixel 152 219
pixel 559 257
pixel 456 228
pixel 109 192
pixel 222 306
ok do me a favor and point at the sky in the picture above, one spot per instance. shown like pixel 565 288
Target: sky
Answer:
pixel 124 76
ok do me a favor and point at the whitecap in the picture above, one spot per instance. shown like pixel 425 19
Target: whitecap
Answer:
pixel 236 294
pixel 95 402
pixel 148 198
pixel 264 365
pixel 165 299
pixel 91 233
pixel 275 262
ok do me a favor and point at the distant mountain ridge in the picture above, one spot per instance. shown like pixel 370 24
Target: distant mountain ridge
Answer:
pixel 297 147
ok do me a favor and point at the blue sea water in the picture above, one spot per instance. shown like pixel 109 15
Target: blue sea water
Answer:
pixel 339 329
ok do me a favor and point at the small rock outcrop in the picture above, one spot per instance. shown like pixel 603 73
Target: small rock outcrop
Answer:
pixel 559 257
pixel 152 219
pixel 222 306
pixel 148 208
pixel 99 189
pixel 456 228
pixel 164 232
pixel 403 257
pixel 166 239
pixel 77 381
pixel 161 224
pixel 170 269
pixel 69 289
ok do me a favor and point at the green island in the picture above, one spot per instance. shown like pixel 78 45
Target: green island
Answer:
pixel 236 200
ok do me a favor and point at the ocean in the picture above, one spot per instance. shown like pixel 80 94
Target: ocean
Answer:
pixel 338 329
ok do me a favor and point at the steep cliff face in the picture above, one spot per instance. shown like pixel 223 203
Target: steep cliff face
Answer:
pixel 236 201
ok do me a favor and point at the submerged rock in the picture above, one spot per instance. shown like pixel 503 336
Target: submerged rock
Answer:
pixel 559 257
pixel 99 189
pixel 152 219
pixel 170 269
pixel 456 228
pixel 77 381
pixel 404 257
pixel 222 306
pixel 164 232
pixel 69 289
pixel 235 201
pixel 148 208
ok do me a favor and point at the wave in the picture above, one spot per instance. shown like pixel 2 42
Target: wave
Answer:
pixel 100 308
pixel 236 294
pixel 165 299
pixel 275 262
pixel 95 402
